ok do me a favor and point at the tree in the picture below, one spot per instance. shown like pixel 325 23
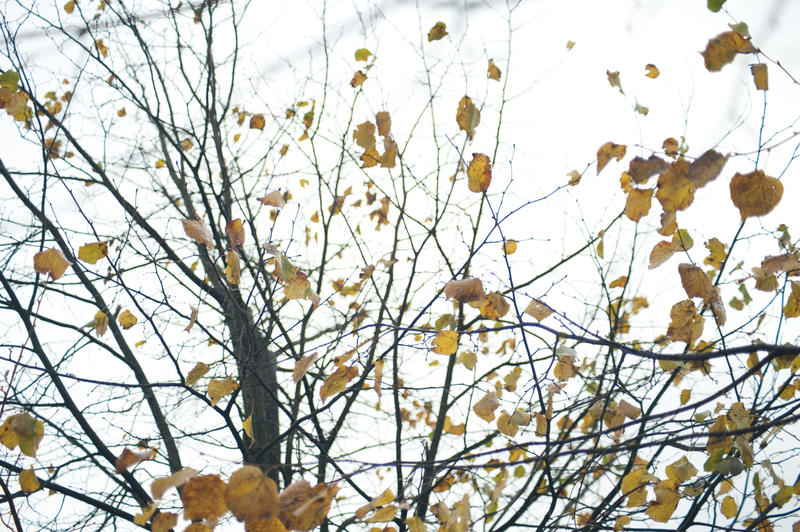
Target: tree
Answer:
pixel 319 301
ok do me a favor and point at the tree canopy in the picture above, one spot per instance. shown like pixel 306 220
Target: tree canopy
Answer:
pixel 393 268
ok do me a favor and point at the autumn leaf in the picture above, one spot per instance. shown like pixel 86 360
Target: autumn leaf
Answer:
pixel 383 499
pixel 28 482
pixel 717 439
pixel 667 498
pixel 203 497
pixel 438 31
pixel 652 71
pixel 641 169
pixel 129 458
pixel 675 190
pixel 384 515
pixel 792 307
pixel 301 367
pixel 196 373
pixel 485 408
pixel 232 267
pixel 161 163
pixel 468 117
pixel 681 470
pixel 51 261
pixel 660 254
pixel 217 389
pixel 670 147
pixel 69 7
pixel 362 54
pixel 235 231
pixel 695 282
pixel 358 79
pixel 101 47
pixel 715 5
pixel 755 194
pixel 257 121
pixel 509 247
pixel 29 432
pixel 389 153
pixel 494 306
pixel 717 253
pixel 250 495
pixel 273 199
pixel 759 72
pixel 100 323
pixel 686 325
pixel 608 151
pixel 538 310
pixel 638 203
pixel 493 71
pixel 613 80
pixel 127 319
pixel 706 168
pixel 464 290
pixel 634 486
pixel 722 49
pixel 479 173
pixel 384 123
pixel 337 381
pixel 177 479
pixel 729 507
pixel 164 522
pixel 303 507
pixel 197 231
pixel 445 343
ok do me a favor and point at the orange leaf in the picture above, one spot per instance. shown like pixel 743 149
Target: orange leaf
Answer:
pixel 257 121
pixel 129 458
pixel 52 262
pixel 337 381
pixel 250 495
pixel 235 231
pixel 203 497
pixel 164 522
pixel 755 194
pixel 608 151
pixel 652 71
pixel 495 306
pixel 493 71
pixel 384 122
pixel 358 79
pixel 485 408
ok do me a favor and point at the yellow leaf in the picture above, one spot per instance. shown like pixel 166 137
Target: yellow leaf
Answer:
pixel 464 290
pixel 634 486
pixel 608 151
pixel 506 426
pixel 695 282
pixel 759 72
pixel 792 307
pixel 509 247
pixel 250 495
pixel 232 267
pixel 122 112
pixel 362 54
pixel 755 194
pixel 729 507
pixel 675 190
pixel 445 343
pixel 203 497
pixel 716 255
pixel 303 507
pixel 197 231
pixel 493 71
pixel 723 48
pixel 29 432
pixel 161 163
pixel 69 7
pixel 28 482
pixel 384 498
pixel 486 406
pixel 438 31
pixel 619 282
pixel 257 121
pixel 196 373
pixel 101 47
pixel 538 310
pixel 247 427
pixel 667 498
pixel 127 319
pixel 384 515
pixel 681 470
pixel 685 396
pixel 638 203
pixel 337 381
pixel 652 71
pixel 186 144
pixel 621 521
pixel 494 306
pixel 8 437
pixel 142 518
pixel 217 389
pixel 378 376
pixel 468 359
pixel 91 253
pixel 301 367
pixel 164 522
pixel 100 323
pixel 717 440
pixel 52 262
pixel 235 231
pixel 479 173
pixel 687 324
pixel 468 116
pixel 570 45
pixel 574 178
pixel 389 153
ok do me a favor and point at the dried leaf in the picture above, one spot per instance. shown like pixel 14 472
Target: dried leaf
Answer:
pixel 250 495
pixel 301 367
pixel 257 121
pixel 438 31
pixel 358 79
pixel 729 507
pixel 384 498
pixel 723 48
pixel 129 458
pixel 337 381
pixel 687 324
pixel 681 470
pixel 755 194
pixel 28 482
pixel 203 497
pixel 217 389
pixel 493 71
pixel 164 522
pixel 608 151
pixel 273 199
pixel 51 261
pixel 178 478
pixel 641 169
pixel 759 72
pixel 485 408
pixel 464 290
pixel 675 190
pixel 93 252
pixel 638 203
pixel 538 310
pixel 495 306
pixel 660 254
pixel 196 373
pixel 695 282
pixel 235 231
pixel 127 319
pixel 445 343
pixel 479 173
pixel 197 231
pixel 652 71
pixel 232 268
pixel 706 168
pixel 468 116
pixel 303 507
pixel 667 498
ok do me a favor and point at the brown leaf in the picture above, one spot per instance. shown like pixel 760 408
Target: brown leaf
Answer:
pixel 706 168
pixel 197 231
pixel 464 290
pixel 203 497
pixel 438 31
pixel 755 194
pixel 638 203
pixel 538 310
pixel 235 231
pixel 337 381
pixel 364 135
pixel 788 262
pixel 358 79
pixel 273 199
pixel 495 306
pixel 675 190
pixel 686 325
pixel 257 121
pixel 129 458
pixel 723 48
pixel 178 478
pixel 660 254
pixel 485 408
pixel 301 367
pixel 479 173
pixel 608 151
pixel 384 122
pixel 695 282
pixel 493 71
pixel 759 72
pixel 641 169
pixel 303 507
